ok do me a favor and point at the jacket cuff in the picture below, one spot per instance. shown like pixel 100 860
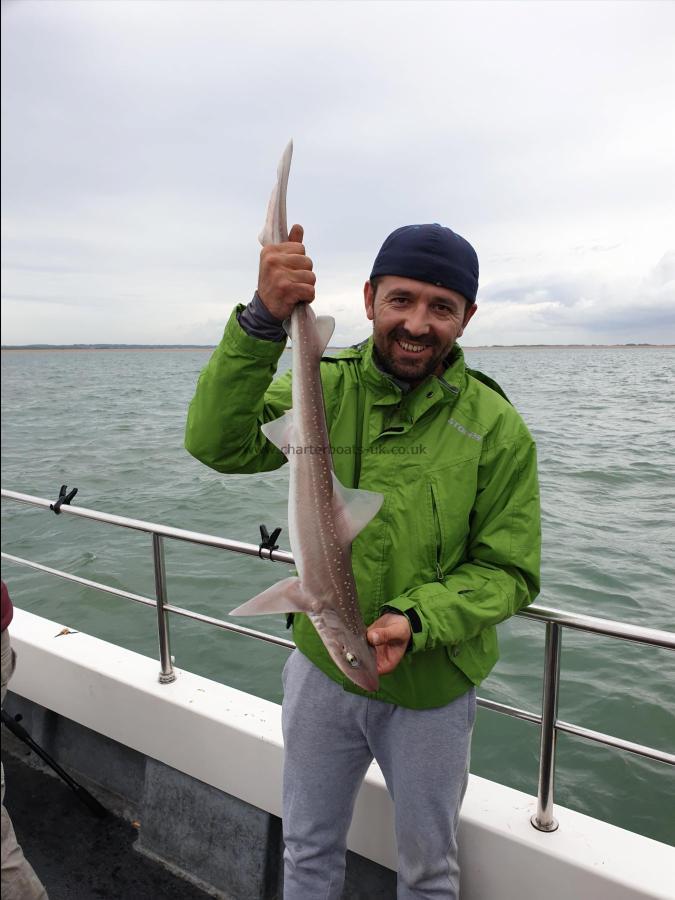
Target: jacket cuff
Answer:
pixel 259 322
pixel 239 342
pixel 403 605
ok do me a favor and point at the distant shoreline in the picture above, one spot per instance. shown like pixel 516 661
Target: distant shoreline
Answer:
pixel 88 348
pixel 185 347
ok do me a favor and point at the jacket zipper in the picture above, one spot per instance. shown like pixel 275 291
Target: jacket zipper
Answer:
pixel 435 506
pixel 453 649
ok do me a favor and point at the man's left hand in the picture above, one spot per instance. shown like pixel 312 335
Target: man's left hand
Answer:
pixel 390 635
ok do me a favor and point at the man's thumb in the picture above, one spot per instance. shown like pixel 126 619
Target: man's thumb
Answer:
pixel 296 234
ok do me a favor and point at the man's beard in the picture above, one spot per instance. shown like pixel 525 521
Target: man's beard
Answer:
pixel 409 369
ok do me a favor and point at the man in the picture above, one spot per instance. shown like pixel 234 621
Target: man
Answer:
pixel 453 551
pixel 19 881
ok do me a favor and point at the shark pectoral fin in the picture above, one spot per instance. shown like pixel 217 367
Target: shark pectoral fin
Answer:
pixel 280 431
pixel 354 508
pixel 283 597
pixel 325 325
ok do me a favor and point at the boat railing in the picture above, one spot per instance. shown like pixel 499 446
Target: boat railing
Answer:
pixel 554 621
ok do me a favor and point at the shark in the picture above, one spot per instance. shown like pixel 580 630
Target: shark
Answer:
pixel 324 516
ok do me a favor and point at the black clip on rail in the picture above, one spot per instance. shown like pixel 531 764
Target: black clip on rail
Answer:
pixel 269 541
pixel 63 498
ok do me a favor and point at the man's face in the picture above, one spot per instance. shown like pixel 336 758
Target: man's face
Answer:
pixel 415 325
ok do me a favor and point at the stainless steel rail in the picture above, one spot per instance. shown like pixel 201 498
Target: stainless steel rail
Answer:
pixel 179 534
pixel 555 620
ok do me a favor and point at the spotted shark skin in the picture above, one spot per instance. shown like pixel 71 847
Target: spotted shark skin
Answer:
pixel 323 516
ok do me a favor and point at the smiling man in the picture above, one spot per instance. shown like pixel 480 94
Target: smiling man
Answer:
pixel 420 297
pixel 414 325
pixel 453 551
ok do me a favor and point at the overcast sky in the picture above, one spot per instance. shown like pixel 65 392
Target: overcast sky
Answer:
pixel 141 139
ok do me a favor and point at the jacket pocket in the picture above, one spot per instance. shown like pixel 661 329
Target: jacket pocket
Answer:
pixel 453 491
pixel 476 657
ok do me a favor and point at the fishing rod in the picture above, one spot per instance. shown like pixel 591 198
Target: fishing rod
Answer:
pixel 80 792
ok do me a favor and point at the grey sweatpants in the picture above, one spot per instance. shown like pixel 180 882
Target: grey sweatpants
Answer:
pixel 330 739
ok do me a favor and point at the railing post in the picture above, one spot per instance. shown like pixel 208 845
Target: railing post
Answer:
pixel 166 674
pixel 543 820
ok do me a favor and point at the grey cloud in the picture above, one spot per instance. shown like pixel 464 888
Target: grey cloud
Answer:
pixel 595 248
pixel 140 141
pixel 608 309
pixel 70 300
pixel 18 267
pixel 553 289
pixel 663 273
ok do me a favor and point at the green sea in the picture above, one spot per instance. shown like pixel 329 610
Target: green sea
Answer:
pixel 110 422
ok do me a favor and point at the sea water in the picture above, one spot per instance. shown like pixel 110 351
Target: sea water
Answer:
pixel 111 422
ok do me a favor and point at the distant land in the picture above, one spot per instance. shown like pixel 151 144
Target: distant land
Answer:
pixel 108 347
pixel 213 346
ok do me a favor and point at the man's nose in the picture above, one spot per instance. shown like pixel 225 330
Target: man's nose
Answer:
pixel 416 321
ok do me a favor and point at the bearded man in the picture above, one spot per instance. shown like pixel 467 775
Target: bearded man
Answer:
pixel 453 551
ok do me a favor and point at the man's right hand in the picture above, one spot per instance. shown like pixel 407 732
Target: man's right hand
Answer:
pixel 285 276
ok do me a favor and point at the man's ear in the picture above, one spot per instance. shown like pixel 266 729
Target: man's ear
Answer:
pixel 468 315
pixel 369 299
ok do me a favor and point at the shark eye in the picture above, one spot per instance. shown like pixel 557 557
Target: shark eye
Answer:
pixel 352 660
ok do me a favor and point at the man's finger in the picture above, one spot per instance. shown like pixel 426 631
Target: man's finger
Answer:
pixel 383 636
pixel 287 248
pixel 295 261
pixel 296 234
pixel 388 656
pixel 303 276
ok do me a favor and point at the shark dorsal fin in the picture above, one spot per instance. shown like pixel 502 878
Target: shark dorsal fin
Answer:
pixel 325 325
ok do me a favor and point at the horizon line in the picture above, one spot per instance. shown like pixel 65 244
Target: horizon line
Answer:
pixel 97 345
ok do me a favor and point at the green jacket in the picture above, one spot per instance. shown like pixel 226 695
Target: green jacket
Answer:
pixel 456 544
